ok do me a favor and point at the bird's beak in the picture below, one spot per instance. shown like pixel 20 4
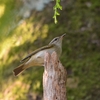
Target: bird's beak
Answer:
pixel 61 37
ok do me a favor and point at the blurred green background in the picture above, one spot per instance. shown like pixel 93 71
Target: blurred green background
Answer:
pixel 19 36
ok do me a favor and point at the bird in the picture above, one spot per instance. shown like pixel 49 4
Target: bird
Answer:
pixel 36 58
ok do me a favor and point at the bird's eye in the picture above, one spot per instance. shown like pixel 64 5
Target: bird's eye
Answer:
pixel 55 39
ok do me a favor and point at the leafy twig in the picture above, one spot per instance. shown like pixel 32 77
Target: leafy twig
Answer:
pixel 56 7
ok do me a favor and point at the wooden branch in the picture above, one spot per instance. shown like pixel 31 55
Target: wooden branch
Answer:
pixel 54 78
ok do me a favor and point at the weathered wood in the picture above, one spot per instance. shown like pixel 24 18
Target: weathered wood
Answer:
pixel 54 78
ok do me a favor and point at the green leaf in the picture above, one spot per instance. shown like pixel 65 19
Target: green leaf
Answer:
pixel 56 7
pixel 57 13
pixel 60 7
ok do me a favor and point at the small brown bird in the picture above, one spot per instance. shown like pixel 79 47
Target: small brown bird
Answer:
pixel 36 58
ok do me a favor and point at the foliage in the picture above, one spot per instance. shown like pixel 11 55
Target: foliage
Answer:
pixel 56 7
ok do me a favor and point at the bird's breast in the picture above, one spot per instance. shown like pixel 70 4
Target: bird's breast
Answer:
pixel 42 53
pixel 38 58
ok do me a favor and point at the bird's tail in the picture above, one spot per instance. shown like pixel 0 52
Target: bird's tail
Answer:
pixel 19 69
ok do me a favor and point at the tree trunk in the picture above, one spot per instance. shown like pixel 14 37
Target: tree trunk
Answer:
pixel 54 78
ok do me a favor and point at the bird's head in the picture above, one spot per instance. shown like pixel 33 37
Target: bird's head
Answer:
pixel 57 40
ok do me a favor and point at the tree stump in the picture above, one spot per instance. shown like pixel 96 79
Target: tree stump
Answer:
pixel 54 78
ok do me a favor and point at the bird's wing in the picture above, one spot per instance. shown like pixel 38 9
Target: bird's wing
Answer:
pixel 34 52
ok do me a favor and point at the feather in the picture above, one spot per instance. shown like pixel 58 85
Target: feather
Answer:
pixel 36 51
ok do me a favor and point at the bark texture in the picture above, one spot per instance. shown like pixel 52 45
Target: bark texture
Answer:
pixel 54 78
